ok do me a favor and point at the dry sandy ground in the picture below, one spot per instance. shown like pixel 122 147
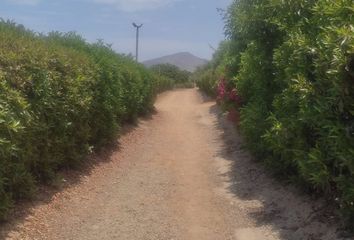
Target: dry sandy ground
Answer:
pixel 181 174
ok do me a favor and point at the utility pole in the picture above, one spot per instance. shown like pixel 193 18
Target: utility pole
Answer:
pixel 137 40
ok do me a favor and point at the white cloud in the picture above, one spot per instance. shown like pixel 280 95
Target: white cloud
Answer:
pixel 135 5
pixel 24 2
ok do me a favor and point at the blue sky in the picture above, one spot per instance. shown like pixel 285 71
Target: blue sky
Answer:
pixel 170 26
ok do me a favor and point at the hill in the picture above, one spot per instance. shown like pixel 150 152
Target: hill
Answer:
pixel 184 60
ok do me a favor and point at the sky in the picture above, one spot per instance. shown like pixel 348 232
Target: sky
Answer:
pixel 170 26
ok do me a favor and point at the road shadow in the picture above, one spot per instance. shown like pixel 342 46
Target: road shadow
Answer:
pixel 67 178
pixel 204 97
pixel 289 211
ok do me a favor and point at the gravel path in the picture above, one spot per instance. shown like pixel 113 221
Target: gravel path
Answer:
pixel 179 175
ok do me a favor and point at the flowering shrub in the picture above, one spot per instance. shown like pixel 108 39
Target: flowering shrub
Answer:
pixel 207 76
pixel 292 63
pixel 229 99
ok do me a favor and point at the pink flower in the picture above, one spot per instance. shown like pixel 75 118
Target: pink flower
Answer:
pixel 222 88
pixel 233 95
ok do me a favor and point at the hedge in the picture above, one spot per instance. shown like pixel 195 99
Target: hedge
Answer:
pixel 292 63
pixel 60 99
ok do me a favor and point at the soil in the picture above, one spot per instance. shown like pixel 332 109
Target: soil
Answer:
pixel 181 173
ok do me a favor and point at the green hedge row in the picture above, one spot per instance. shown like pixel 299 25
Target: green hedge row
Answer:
pixel 292 62
pixel 60 98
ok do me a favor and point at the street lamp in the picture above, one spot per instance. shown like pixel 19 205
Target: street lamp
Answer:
pixel 137 40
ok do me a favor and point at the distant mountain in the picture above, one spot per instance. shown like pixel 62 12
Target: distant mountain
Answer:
pixel 183 60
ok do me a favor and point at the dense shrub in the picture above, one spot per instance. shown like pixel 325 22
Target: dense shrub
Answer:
pixel 206 80
pixel 293 65
pixel 60 97
pixel 172 75
pixel 165 83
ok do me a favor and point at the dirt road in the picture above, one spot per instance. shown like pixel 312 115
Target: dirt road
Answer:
pixel 181 175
